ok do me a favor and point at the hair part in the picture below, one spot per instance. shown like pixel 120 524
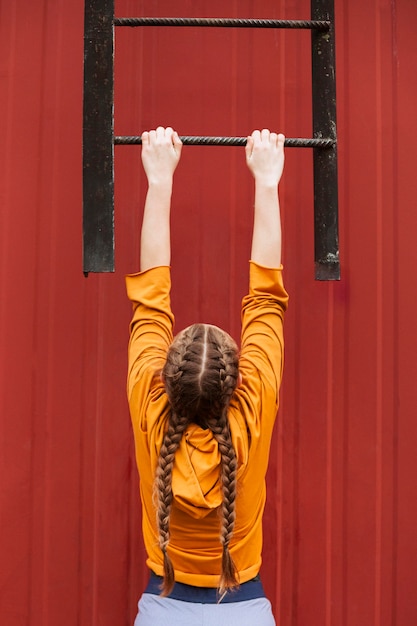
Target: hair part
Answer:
pixel 200 375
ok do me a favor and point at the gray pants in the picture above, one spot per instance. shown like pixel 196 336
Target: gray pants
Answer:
pixel 157 611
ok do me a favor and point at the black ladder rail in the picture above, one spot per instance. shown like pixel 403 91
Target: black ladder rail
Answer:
pixel 99 139
pixel 326 234
pixel 98 151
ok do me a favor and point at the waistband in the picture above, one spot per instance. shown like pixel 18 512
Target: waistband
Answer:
pixel 250 590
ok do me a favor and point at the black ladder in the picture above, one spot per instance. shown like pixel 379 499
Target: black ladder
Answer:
pixel 99 139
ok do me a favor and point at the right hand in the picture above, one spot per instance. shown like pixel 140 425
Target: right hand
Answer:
pixel 265 156
pixel 161 152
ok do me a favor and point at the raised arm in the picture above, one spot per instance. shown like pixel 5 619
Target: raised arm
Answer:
pixel 265 159
pixel 161 152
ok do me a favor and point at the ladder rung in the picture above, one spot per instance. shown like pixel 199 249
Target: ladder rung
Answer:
pixel 221 22
pixel 233 141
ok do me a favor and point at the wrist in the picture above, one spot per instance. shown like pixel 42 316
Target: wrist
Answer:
pixel 162 183
pixel 266 184
pixel 267 179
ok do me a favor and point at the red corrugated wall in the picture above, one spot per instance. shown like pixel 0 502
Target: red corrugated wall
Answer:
pixel 340 540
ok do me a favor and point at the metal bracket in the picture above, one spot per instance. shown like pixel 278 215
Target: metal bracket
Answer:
pixel 99 139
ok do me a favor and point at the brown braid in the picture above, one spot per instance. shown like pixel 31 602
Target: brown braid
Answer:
pixel 163 487
pixel 221 432
pixel 200 375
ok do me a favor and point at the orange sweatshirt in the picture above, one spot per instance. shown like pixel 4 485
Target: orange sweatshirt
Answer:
pixel 194 546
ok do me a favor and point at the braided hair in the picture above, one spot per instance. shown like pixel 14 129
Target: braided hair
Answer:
pixel 200 376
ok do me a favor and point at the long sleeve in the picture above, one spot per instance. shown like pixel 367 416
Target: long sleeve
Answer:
pixel 262 350
pixel 150 328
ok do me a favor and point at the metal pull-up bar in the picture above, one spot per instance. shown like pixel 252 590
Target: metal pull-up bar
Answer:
pixel 222 22
pixel 99 139
pixel 189 140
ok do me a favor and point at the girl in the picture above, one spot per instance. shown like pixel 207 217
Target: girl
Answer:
pixel 203 413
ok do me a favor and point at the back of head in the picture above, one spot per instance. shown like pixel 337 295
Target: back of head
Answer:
pixel 201 372
pixel 200 375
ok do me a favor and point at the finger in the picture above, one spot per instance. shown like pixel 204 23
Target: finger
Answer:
pixel 265 134
pixel 256 136
pixel 176 142
pixel 281 140
pixel 160 132
pixel 145 138
pixel 273 138
pixel 152 136
pixel 249 146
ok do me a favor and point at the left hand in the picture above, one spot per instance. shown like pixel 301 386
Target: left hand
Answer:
pixel 161 152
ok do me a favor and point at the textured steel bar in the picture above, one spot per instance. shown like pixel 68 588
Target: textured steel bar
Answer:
pixel 326 237
pixel 98 148
pixel 221 22
pixel 231 141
